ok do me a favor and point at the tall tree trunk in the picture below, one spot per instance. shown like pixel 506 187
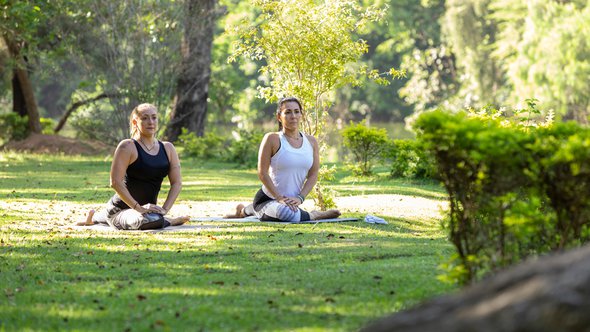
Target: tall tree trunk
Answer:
pixel 23 86
pixel 192 90
pixel 18 99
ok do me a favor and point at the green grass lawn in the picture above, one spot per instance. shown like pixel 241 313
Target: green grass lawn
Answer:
pixel 240 276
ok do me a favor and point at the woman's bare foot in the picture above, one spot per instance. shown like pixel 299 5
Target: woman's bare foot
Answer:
pixel 88 221
pixel 239 212
pixel 317 215
pixel 178 220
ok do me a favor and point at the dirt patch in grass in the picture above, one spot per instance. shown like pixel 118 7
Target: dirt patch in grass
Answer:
pixel 55 144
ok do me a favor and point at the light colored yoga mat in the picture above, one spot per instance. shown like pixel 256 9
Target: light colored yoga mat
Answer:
pixel 191 227
pixel 254 219
pixel 185 227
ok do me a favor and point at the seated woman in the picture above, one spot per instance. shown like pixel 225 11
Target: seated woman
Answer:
pixel 288 165
pixel 139 167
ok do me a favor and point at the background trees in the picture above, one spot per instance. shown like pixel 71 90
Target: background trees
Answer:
pixel 96 60
pixel 192 85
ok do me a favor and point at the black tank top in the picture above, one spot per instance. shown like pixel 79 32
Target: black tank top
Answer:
pixel 144 176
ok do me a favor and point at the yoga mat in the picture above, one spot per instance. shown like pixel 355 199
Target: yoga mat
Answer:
pixel 253 219
pixel 192 227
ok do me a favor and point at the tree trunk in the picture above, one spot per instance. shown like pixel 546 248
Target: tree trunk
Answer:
pixel 192 87
pixel 24 101
pixel 18 99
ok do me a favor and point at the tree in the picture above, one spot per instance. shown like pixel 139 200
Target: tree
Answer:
pixel 544 48
pixel 309 50
pixel 18 29
pixel 471 35
pixel 192 85
pixel 130 48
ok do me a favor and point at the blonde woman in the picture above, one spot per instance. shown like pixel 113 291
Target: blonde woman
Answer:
pixel 139 167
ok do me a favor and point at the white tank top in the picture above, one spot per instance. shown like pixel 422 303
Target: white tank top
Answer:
pixel 289 167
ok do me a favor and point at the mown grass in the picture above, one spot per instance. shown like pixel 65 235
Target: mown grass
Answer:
pixel 225 277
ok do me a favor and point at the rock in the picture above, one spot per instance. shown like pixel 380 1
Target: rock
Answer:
pixel 550 294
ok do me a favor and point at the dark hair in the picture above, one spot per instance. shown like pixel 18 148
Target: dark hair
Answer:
pixel 283 101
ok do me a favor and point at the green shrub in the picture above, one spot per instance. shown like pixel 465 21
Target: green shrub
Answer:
pixel 210 146
pixel 408 159
pixel 366 145
pixel 515 190
pixel 13 126
pixel 47 125
pixel 243 148
pixel 563 161
pixel 322 194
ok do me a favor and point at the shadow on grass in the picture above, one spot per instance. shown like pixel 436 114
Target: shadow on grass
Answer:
pixel 250 277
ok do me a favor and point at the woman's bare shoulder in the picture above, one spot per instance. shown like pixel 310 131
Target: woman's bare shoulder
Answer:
pixel 311 138
pixel 168 145
pixel 272 136
pixel 126 144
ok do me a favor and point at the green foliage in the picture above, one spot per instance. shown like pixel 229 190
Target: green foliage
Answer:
pixel 243 148
pixel 515 189
pixel 307 48
pixel 47 125
pixel 408 159
pixel 13 126
pixel 209 146
pixel 328 194
pixel 544 51
pixel 366 144
pixel 471 35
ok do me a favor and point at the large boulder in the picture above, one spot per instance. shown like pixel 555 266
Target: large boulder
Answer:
pixel 550 294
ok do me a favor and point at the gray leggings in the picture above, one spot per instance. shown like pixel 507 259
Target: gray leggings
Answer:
pixel 268 209
pixel 129 219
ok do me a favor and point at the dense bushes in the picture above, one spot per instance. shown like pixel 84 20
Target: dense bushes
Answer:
pixel 406 158
pixel 15 127
pixel 366 144
pixel 369 146
pixel 514 191
pixel 241 148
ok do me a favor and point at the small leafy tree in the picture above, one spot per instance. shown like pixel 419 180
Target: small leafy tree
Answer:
pixel 309 50
pixel 366 144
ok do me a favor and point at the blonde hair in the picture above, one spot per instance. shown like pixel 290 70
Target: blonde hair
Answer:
pixel 133 130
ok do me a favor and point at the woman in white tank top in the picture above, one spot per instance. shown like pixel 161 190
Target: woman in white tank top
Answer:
pixel 288 165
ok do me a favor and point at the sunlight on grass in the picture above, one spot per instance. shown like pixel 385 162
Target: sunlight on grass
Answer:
pixel 221 277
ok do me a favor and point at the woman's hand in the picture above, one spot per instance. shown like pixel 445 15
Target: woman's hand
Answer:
pixel 292 202
pixel 149 207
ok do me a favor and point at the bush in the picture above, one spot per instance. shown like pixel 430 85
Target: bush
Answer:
pixel 47 125
pixel 243 148
pixel 514 190
pixel 210 146
pixel 366 144
pixel 13 126
pixel 408 159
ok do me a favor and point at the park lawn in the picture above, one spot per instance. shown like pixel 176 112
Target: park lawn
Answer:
pixel 241 276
